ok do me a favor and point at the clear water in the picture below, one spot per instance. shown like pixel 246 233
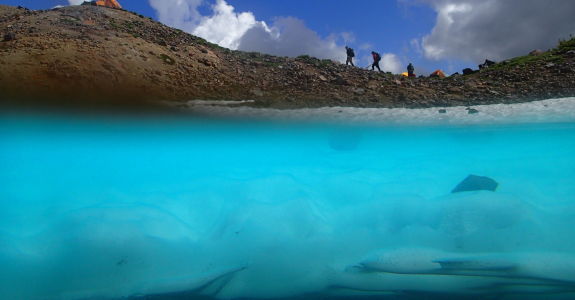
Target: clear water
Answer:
pixel 169 208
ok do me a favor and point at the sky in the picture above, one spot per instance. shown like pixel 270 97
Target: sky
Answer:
pixel 432 34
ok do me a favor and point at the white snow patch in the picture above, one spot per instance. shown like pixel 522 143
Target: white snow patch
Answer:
pixel 218 102
pixel 544 111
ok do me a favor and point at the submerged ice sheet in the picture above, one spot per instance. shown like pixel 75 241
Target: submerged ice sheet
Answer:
pixel 94 209
pixel 552 110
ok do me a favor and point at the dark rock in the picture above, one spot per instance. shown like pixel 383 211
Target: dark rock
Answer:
pixel 476 183
pixel 442 111
pixel 10 36
pixel 472 111
pixel 488 63
pixel 340 81
pixel 468 71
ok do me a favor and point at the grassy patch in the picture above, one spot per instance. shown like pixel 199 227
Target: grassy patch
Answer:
pixel 168 60
pixel 553 55
pixel 272 63
pixel 114 25
pixel 566 45
pixel 325 63
pixel 69 21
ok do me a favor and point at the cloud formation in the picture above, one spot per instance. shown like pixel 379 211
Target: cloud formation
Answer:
pixel 494 29
pixel 182 14
pixel 287 36
pixel 75 2
pixel 389 62
pixel 290 37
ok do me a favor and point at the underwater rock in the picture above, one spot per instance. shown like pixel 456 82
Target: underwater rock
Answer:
pixel 345 140
pixel 476 183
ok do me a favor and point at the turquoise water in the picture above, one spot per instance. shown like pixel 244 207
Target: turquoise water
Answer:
pixel 101 207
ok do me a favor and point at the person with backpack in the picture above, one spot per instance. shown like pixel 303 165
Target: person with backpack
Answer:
pixel 410 70
pixel 376 59
pixel 350 56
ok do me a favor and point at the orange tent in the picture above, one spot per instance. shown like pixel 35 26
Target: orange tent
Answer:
pixel 437 73
pixel 108 3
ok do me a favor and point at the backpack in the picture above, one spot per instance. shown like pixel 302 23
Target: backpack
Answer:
pixel 376 56
pixel 350 52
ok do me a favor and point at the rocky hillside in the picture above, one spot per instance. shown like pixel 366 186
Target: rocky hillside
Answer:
pixel 87 53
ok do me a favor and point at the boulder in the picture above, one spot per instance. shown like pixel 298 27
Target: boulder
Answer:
pixel 472 111
pixel 488 63
pixel 10 36
pixel 476 183
pixel 468 71
pixel 536 52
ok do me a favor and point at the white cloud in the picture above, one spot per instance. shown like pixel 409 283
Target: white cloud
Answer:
pixel 290 37
pixel 494 29
pixel 366 46
pixel 226 27
pixel 75 2
pixel 182 14
pixel 287 36
pixel 416 46
pixel 389 63
pixel 348 37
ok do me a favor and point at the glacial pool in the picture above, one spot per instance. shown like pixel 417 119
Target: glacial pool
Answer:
pixel 158 207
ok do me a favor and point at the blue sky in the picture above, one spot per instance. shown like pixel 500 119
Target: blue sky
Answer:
pixel 433 34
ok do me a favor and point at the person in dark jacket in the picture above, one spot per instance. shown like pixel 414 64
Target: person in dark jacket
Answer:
pixel 350 56
pixel 376 60
pixel 410 70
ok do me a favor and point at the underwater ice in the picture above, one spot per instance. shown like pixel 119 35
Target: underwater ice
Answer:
pixel 104 209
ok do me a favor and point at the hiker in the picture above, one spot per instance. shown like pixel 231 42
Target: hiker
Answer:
pixel 350 56
pixel 410 70
pixel 376 59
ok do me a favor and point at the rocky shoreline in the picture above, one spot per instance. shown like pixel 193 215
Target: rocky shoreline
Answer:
pixel 90 54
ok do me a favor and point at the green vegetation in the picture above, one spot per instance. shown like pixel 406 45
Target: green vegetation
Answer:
pixel 566 45
pixel 168 60
pixel 315 61
pixel 69 20
pixel 551 56
pixel 326 62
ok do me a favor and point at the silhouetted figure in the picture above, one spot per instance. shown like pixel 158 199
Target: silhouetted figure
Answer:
pixel 410 70
pixel 350 56
pixel 376 59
